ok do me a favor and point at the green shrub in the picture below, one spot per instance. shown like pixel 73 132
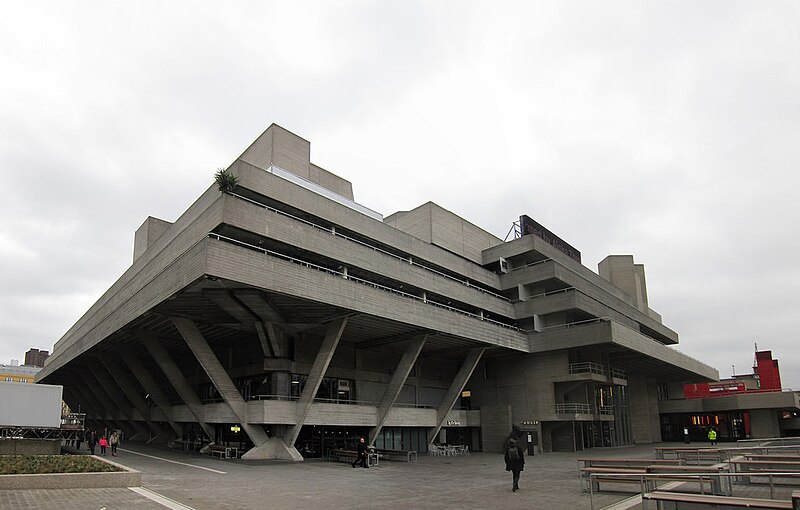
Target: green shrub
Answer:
pixel 37 464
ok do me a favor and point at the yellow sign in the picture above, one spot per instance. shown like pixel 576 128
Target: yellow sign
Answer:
pixel 236 428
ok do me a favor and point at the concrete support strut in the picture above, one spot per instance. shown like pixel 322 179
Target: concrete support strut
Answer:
pixel 456 387
pixel 151 387
pixel 128 387
pixel 178 381
pixel 315 376
pixel 396 383
pixel 107 386
pixel 101 400
pixel 219 377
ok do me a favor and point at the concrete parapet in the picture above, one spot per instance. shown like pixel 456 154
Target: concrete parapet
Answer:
pixel 25 446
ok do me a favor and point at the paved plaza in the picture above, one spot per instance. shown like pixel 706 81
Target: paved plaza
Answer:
pixel 478 481
pixel 177 480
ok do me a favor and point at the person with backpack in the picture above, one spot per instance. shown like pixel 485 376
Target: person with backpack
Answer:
pixel 515 462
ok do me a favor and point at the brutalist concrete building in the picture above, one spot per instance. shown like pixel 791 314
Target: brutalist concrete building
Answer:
pixel 286 318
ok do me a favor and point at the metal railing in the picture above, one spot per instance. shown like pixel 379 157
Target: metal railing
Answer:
pixel 619 374
pixel 408 260
pixel 649 481
pixel 577 323
pixel 587 367
pixel 356 279
pixel 573 408
pixel 342 401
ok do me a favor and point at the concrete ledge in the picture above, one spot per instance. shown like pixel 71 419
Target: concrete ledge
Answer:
pixel 126 478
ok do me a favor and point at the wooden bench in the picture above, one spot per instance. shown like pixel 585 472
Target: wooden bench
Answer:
pixel 342 455
pixel 714 501
pixel 718 484
pixel 700 454
pixel 663 451
pixel 594 475
pixel 756 456
pixel 389 454
pixel 216 450
pixel 749 468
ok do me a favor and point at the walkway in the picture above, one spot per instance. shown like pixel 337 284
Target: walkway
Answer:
pixel 477 481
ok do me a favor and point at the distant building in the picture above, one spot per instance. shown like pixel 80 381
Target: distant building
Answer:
pixel 740 407
pixel 15 373
pixel 35 357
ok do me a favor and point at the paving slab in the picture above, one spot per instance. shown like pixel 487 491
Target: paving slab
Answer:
pixel 477 481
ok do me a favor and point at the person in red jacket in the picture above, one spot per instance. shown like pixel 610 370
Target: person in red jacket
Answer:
pixel 103 445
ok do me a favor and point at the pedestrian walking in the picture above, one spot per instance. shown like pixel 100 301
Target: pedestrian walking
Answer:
pixel 362 454
pixel 515 462
pixel 114 441
pixel 103 445
pixel 92 440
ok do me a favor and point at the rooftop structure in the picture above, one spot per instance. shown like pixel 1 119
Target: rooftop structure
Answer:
pixel 285 315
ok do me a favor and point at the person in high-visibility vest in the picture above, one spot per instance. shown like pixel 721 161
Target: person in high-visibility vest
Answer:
pixel 712 436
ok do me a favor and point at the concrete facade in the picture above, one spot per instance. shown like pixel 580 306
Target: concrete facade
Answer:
pixel 285 316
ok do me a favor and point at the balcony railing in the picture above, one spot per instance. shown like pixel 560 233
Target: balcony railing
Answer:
pixel 619 374
pixel 577 408
pixel 573 408
pixel 587 367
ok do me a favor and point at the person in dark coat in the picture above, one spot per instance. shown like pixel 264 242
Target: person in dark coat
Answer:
pixel 362 454
pixel 515 461
pixel 92 440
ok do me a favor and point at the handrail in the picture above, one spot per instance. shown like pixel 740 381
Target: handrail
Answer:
pixel 374 248
pixel 370 403
pixel 356 279
pixel 587 366
pixel 644 478
pixel 573 408
pixel 577 323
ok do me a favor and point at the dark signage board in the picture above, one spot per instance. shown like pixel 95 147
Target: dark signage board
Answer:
pixel 530 227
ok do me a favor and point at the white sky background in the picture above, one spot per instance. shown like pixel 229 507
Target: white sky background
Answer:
pixel 666 130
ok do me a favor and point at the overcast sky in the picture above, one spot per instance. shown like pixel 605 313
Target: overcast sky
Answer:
pixel 666 130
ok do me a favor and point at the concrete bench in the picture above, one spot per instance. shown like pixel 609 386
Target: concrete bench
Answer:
pixel 685 500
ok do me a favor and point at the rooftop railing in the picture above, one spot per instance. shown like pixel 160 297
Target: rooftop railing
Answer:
pixel 408 260
pixel 356 279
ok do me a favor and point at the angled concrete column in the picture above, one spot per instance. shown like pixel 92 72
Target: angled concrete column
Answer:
pixel 219 377
pixel 86 403
pixel 396 384
pixel 456 387
pixel 178 381
pixel 315 376
pixel 151 387
pixel 102 400
pixel 224 300
pixel 135 396
pixel 109 386
pixel 270 333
